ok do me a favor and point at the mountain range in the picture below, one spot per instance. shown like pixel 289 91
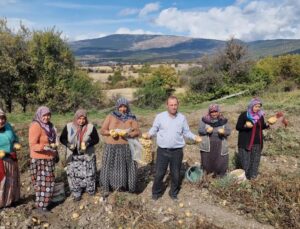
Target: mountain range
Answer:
pixel 125 48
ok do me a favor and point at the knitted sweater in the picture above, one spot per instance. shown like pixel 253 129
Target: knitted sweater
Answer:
pixel 7 138
pixel 37 141
pixel 112 122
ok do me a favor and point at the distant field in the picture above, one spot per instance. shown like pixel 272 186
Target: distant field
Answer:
pixel 124 92
pixel 128 92
pixel 102 77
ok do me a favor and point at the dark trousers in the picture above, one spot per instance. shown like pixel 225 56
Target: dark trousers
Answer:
pixel 249 160
pixel 165 157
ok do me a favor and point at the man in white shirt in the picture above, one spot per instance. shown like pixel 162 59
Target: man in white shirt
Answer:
pixel 170 127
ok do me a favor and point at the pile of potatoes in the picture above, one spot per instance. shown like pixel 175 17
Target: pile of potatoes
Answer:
pixel 147 154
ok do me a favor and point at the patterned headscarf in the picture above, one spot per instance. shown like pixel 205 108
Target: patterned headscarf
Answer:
pixel 254 116
pixel 79 113
pixel 212 108
pixel 123 117
pixel 48 127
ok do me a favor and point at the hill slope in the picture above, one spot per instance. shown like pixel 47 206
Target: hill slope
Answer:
pixel 157 48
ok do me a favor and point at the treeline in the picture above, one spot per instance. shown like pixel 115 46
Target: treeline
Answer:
pixel 226 72
pixel 230 71
pixel 38 67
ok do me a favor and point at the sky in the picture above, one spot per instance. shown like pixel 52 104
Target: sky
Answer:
pixel 215 19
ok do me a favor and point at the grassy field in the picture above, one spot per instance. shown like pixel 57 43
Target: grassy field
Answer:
pixel 272 200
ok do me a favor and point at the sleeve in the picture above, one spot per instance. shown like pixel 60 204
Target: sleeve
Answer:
pixel 155 127
pixel 15 137
pixel 202 128
pixel 94 137
pixel 105 127
pixel 227 130
pixel 34 137
pixel 64 136
pixel 186 130
pixel 136 130
pixel 264 124
pixel 240 125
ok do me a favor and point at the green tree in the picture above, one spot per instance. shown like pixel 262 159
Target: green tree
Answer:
pixel 8 71
pixel 54 65
pixel 157 87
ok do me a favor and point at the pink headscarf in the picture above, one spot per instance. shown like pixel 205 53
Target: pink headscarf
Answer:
pixel 254 116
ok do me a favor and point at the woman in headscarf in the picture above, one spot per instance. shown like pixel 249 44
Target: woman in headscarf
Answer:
pixel 119 170
pixel 9 171
pixel 43 153
pixel 79 137
pixel 214 130
pixel 250 125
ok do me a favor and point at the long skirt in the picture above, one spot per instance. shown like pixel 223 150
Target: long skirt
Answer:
pixel 119 170
pixel 81 173
pixel 10 184
pixel 249 160
pixel 213 161
pixel 43 180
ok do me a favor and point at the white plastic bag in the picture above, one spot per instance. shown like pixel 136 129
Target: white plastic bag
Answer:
pixel 136 149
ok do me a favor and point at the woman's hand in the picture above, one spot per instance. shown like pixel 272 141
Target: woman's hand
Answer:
pixel 113 133
pixel 17 146
pixel 248 124
pixel 2 154
pixel 221 131
pixel 209 129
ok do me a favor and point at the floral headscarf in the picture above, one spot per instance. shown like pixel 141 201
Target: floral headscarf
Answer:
pixel 219 121
pixel 48 127
pixel 254 116
pixel 123 117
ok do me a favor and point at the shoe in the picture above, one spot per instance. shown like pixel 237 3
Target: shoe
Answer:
pixel 105 195
pixel 175 198
pixel 77 198
pixel 155 197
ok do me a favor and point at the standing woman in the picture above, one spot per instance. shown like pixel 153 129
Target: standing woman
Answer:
pixel 250 125
pixel 119 170
pixel 79 137
pixel 43 153
pixel 214 130
pixel 9 171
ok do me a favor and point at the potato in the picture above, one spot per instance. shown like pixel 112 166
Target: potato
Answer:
pixel 249 124
pixel 272 120
pixel 209 129
pixel 221 131
pixel 17 146
pixel 83 146
pixel 2 153
pixel 122 133
pixel 113 133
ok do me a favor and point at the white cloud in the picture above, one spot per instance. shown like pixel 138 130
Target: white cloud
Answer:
pixel 129 11
pixel 249 21
pixel 149 8
pixel 86 36
pixel 124 30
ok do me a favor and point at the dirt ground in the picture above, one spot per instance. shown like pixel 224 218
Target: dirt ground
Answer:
pixel 196 207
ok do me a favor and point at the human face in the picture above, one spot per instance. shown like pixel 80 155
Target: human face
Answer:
pixel 214 114
pixel 46 118
pixel 172 106
pixel 81 121
pixel 122 109
pixel 2 121
pixel 256 108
